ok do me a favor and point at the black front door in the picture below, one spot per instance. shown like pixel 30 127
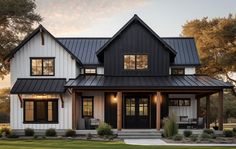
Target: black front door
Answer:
pixel 136 112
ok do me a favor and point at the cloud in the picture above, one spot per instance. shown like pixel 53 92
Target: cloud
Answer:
pixel 69 17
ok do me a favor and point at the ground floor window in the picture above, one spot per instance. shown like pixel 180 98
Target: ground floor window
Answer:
pixel 41 111
pixel 179 102
pixel 87 106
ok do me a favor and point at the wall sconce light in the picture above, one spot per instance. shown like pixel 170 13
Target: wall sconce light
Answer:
pixel 115 99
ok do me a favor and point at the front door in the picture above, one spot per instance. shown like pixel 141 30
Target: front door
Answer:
pixel 136 112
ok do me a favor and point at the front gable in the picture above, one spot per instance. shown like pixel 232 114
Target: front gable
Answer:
pixel 36 46
pixel 135 19
pixel 136 39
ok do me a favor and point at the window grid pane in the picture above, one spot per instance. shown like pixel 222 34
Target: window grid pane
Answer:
pixel 129 62
pixel 87 107
pixel 141 62
pixel 29 111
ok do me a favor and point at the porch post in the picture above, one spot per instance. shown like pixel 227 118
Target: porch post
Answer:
pixel 73 109
pixel 220 112
pixel 119 110
pixel 158 111
pixel 208 111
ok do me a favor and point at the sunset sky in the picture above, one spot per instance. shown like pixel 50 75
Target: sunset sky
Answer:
pixel 103 18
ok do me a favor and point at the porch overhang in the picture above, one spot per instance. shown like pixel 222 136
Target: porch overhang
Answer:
pixel 186 83
pixel 39 86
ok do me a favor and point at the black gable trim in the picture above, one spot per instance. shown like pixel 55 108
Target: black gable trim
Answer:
pixel 135 18
pixel 30 36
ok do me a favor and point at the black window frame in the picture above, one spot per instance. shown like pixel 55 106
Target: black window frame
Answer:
pixel 178 102
pixel 82 112
pixel 172 71
pixel 90 73
pixel 42 58
pixel 35 121
pixel 135 62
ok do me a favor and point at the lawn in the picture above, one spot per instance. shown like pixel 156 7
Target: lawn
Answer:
pixel 74 144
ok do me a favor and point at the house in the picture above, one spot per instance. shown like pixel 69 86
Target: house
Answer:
pixel 131 80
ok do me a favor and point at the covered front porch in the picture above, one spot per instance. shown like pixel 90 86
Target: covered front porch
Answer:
pixel 141 109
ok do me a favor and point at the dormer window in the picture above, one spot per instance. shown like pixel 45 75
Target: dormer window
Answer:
pixel 177 71
pixel 136 62
pixel 90 71
pixel 42 66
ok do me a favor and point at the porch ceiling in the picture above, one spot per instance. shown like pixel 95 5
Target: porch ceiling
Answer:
pixel 187 82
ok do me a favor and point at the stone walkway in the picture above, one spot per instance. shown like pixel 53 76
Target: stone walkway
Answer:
pixel 163 143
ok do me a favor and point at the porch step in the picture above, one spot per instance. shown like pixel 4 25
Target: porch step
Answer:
pixel 139 134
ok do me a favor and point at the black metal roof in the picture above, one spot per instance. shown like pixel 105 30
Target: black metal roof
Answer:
pixel 38 86
pixel 85 49
pixel 162 82
pixel 31 35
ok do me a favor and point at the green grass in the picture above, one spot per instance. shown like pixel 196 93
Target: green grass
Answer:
pixel 78 144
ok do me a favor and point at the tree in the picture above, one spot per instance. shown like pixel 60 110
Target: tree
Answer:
pixel 5 105
pixel 216 41
pixel 17 19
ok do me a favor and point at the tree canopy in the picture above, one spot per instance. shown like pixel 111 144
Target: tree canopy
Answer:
pixel 17 19
pixel 216 41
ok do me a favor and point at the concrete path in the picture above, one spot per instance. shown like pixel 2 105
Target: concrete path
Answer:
pixel 160 142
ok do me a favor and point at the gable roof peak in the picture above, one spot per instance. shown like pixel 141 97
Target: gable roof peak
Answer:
pixel 136 18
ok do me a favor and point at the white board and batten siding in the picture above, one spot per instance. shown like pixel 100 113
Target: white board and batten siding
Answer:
pixel 65 67
pixel 190 111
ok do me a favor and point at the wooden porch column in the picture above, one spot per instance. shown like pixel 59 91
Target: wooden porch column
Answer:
pixel 73 109
pixel 198 106
pixel 119 110
pixel 220 112
pixel 208 111
pixel 158 111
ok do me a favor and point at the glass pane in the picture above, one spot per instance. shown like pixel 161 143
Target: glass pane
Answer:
pixel 132 113
pixel 177 71
pixel 41 111
pixel 36 66
pixel 129 62
pixel 87 107
pixel 142 61
pixel 140 110
pixel 181 102
pixel 145 111
pixel 29 111
pixel 50 111
pixel 48 67
pixel 90 71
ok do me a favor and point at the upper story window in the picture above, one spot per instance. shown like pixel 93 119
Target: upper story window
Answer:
pixel 177 71
pixel 42 66
pixel 136 62
pixel 90 70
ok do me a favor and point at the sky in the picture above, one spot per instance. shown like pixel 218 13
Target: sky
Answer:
pixel 103 18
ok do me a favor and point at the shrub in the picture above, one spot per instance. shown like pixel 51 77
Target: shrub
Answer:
pixel 178 137
pixel 51 132
pixel 104 130
pixel 29 132
pixel 208 131
pixel 170 126
pixel 194 137
pixel 205 136
pixel 12 135
pixel 228 133
pixel 70 133
pixel 6 130
pixel 234 130
pixel 187 133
